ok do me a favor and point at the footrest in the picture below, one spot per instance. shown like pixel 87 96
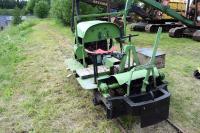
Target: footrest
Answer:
pixel 73 64
pixel 85 73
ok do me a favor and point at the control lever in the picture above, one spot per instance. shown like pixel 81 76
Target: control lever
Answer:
pixel 129 37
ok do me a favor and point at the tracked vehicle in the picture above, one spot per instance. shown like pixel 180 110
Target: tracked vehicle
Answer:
pixel 113 71
pixel 191 22
pixel 152 18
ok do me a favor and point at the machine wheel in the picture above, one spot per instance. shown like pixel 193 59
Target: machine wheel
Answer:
pixel 196 74
pixel 96 101
pixel 152 28
pixel 176 32
pixel 196 36
pixel 109 113
pixel 140 26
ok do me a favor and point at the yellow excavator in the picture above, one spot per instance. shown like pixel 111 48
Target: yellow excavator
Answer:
pixel 190 21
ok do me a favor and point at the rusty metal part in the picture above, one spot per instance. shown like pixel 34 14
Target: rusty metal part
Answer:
pixel 120 125
pixel 177 32
pixel 152 28
pixel 178 129
pixel 124 130
pixel 140 26
pixel 185 32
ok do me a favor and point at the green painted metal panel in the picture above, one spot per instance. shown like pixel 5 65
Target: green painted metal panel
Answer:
pixel 88 84
pixel 110 62
pixel 123 78
pixel 78 50
pixel 91 31
pixel 82 27
pixel 73 64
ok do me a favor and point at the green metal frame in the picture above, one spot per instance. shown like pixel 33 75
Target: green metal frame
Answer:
pixel 150 66
pixel 129 47
pixel 124 13
pixel 76 18
pixel 139 71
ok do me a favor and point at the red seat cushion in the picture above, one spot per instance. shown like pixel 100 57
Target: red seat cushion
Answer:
pixel 100 51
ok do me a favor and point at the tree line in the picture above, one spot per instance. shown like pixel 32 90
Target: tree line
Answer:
pixel 60 9
pixel 11 4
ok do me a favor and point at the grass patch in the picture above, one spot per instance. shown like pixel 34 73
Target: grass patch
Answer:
pixel 11 55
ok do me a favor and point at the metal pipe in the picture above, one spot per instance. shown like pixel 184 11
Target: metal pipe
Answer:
pixel 188 7
pixel 113 86
pixel 99 15
pixel 155 47
pixel 196 10
pixel 108 10
pixel 72 17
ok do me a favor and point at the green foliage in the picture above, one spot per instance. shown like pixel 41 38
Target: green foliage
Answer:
pixel 17 16
pixel 10 56
pixel 31 5
pixel 27 24
pixel 10 4
pixel 62 9
pixel 10 12
pixel 41 9
pixel 6 12
pixel 7 4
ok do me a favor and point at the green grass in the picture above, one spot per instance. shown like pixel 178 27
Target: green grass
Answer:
pixel 11 55
pixel 10 12
pixel 37 96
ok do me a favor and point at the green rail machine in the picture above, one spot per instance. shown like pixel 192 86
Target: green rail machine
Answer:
pixel 112 69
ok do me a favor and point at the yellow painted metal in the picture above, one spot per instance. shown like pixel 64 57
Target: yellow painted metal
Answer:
pixel 177 5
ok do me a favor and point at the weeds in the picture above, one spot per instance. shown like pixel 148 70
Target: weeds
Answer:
pixel 11 55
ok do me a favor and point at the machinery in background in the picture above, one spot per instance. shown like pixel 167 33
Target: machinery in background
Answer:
pixel 191 22
pixel 191 29
pixel 152 18
pixel 122 82
pixel 188 26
